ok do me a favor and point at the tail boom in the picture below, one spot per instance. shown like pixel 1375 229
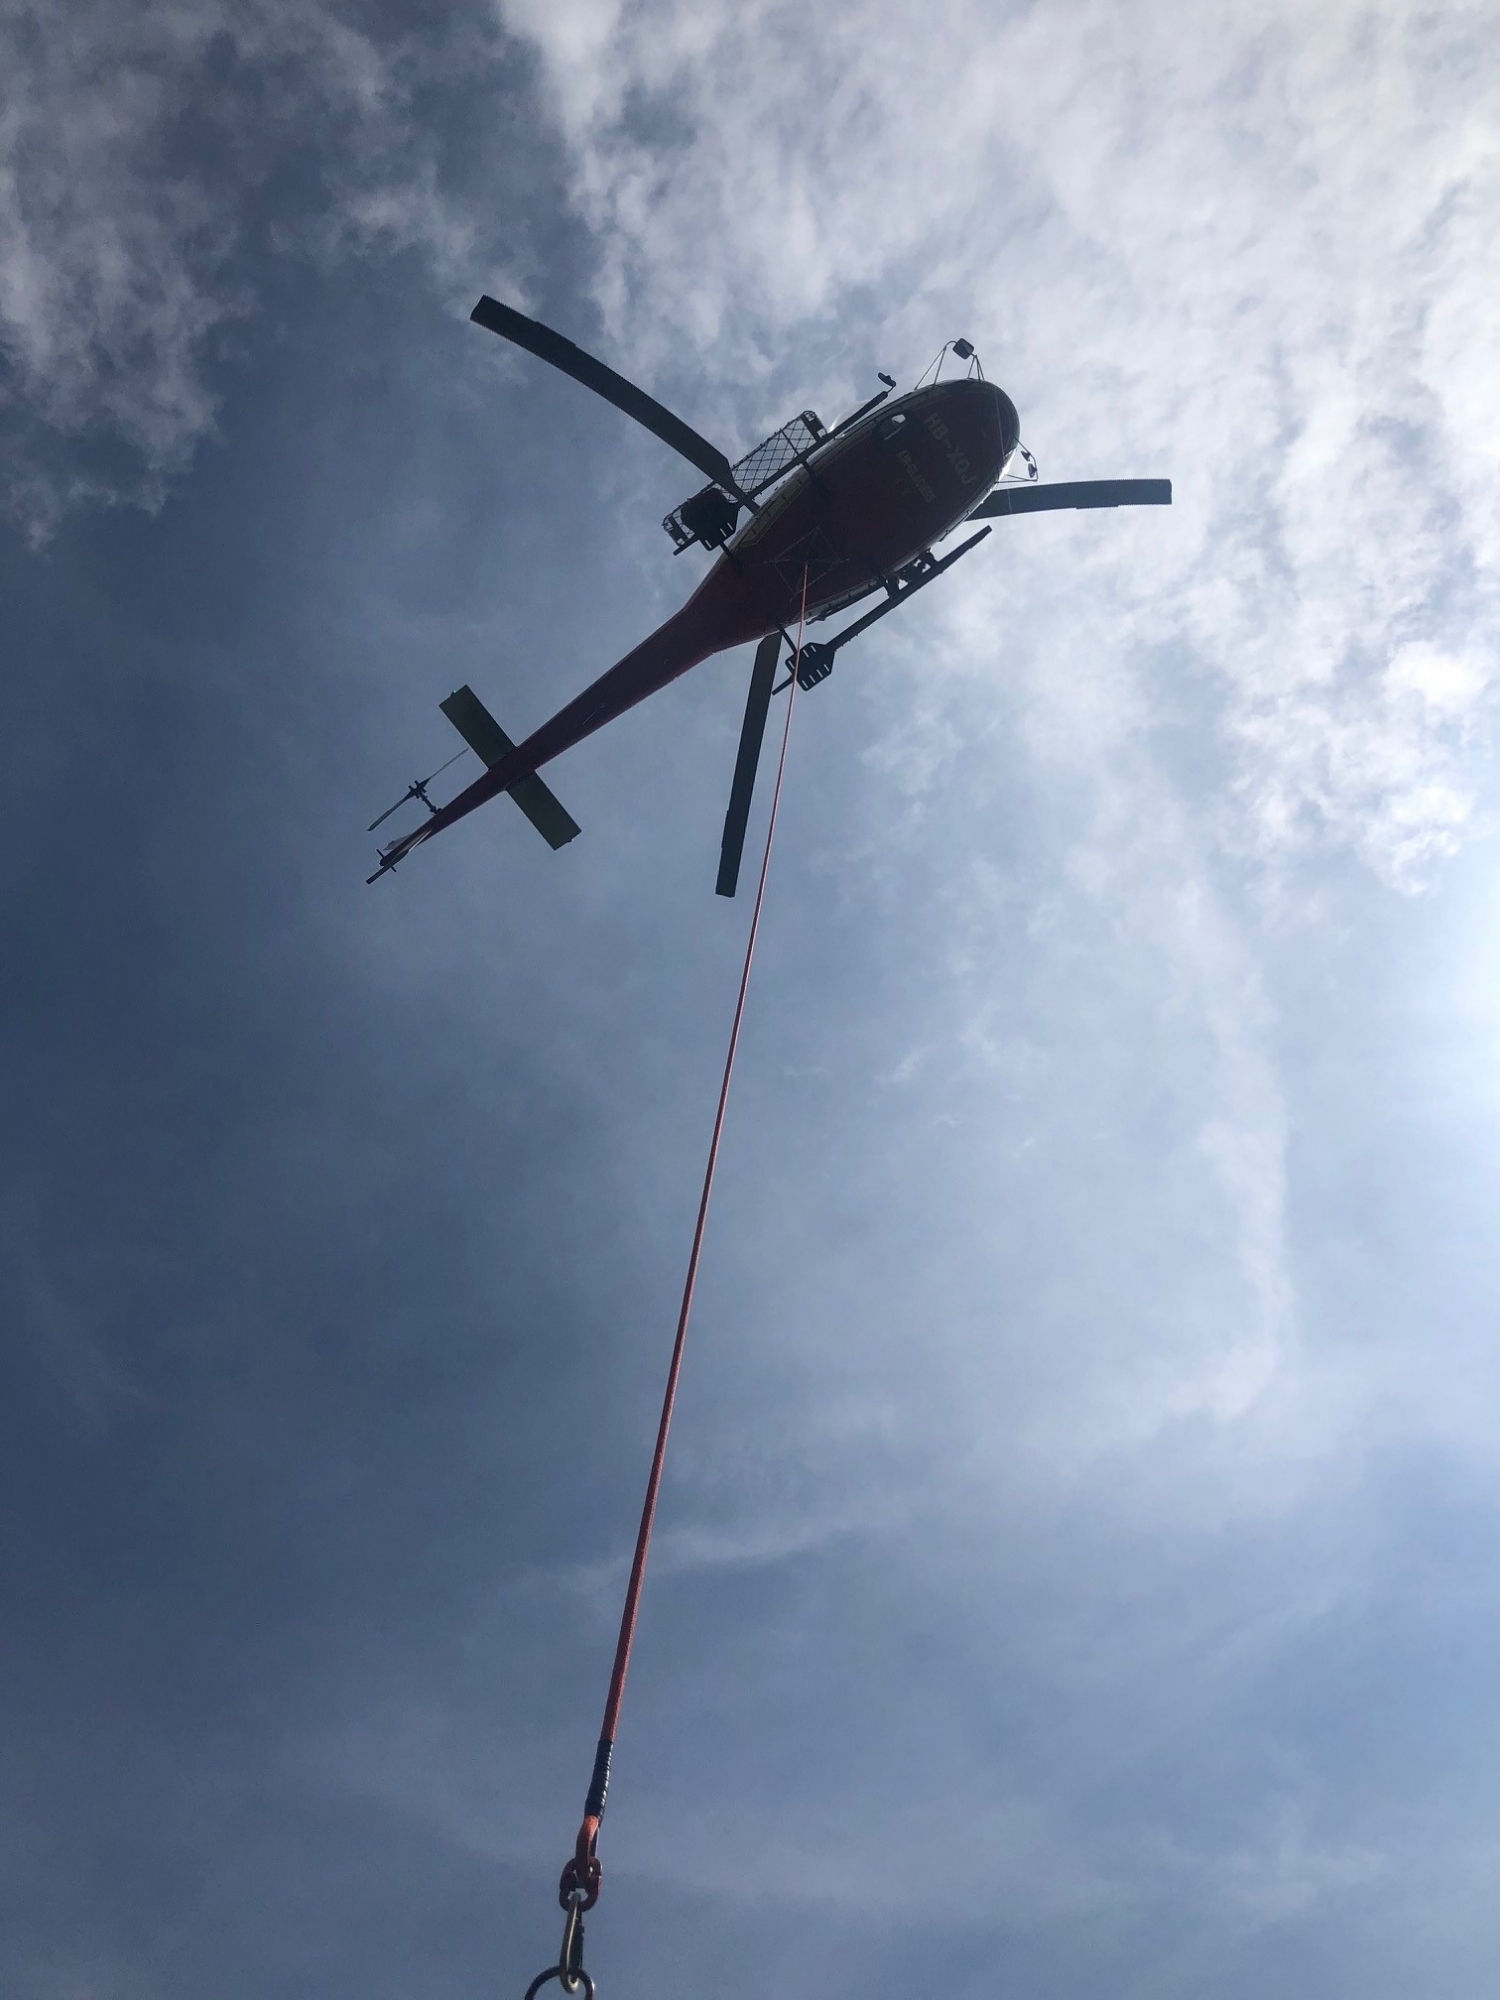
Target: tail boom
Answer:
pixel 687 638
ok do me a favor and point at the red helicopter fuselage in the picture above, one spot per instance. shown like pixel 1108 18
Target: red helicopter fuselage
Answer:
pixel 862 506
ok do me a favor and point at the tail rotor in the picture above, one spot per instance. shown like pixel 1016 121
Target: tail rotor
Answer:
pixel 417 789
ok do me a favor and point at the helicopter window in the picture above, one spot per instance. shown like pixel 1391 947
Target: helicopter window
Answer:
pixel 894 429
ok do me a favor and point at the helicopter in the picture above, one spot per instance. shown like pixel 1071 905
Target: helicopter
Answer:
pixel 832 516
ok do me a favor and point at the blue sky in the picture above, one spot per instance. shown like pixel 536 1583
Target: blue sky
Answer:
pixel 1077 1568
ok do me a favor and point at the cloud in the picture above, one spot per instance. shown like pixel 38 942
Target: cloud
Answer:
pixel 137 149
pixel 1021 1504
pixel 1256 254
pixel 1249 251
pixel 1255 257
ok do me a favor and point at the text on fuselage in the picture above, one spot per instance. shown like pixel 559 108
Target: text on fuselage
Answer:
pixel 958 460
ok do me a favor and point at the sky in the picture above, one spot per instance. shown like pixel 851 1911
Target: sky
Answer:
pixel 1077 1572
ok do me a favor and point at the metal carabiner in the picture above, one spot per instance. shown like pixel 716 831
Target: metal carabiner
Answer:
pixel 568 1971
pixel 570 1958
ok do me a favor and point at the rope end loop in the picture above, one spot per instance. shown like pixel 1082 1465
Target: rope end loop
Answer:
pixel 583 1871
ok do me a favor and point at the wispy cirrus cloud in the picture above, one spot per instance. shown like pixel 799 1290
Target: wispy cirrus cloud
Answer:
pixel 1027 1451
pixel 1255 256
pixel 1256 253
pixel 138 150
pixel 1248 251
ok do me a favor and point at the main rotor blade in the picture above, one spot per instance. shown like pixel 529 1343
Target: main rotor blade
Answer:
pixel 757 705
pixel 549 346
pixel 1075 493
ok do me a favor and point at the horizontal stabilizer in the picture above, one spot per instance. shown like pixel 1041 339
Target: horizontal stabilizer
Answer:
pixel 1020 499
pixel 489 742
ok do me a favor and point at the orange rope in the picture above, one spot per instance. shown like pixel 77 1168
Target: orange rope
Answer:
pixel 581 1877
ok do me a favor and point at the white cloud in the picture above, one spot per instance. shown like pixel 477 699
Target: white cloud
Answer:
pixel 134 143
pixel 1252 250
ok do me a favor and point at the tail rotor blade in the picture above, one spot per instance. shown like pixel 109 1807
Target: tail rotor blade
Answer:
pixel 411 792
pixel 757 706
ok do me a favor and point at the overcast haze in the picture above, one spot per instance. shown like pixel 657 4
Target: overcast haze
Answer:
pixel 1077 1573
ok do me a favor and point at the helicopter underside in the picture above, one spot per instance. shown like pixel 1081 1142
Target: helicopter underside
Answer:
pixel 849 519
pixel 835 516
pixel 863 507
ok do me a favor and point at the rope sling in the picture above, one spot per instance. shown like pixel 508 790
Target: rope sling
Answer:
pixel 578 1889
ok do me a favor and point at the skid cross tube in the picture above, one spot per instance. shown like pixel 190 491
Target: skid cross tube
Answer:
pixel 918 583
pixel 822 650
